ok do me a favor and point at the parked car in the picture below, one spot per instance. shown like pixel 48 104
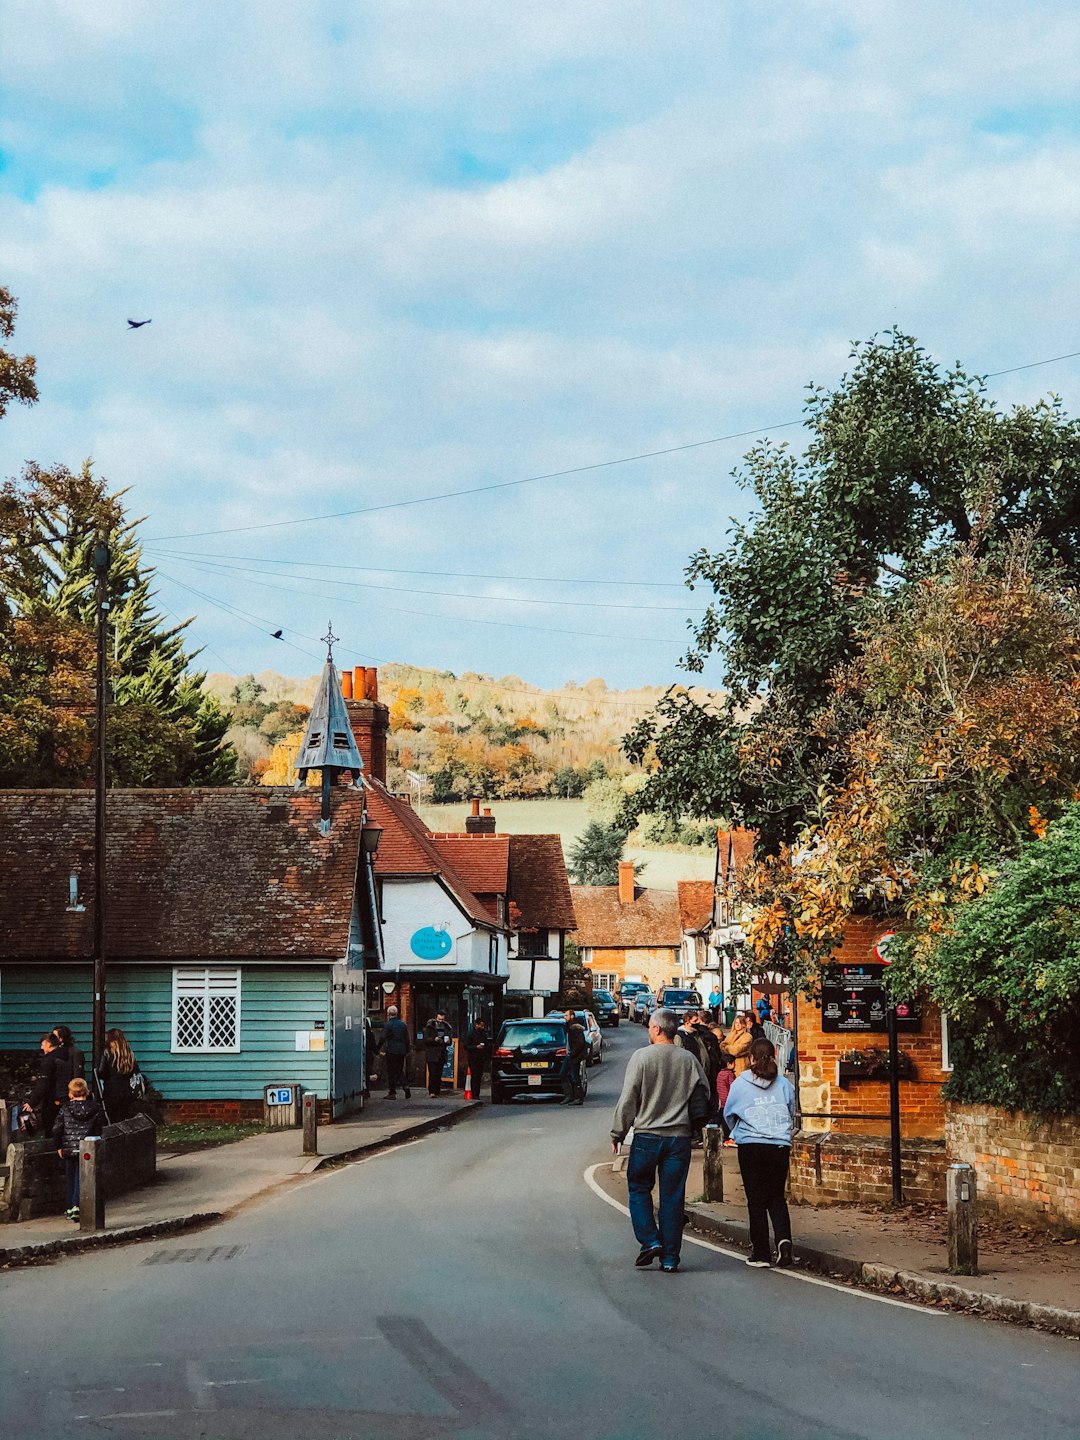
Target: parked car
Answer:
pixel 628 991
pixel 593 1038
pixel 528 1059
pixel 642 1005
pixel 681 1001
pixel 607 1010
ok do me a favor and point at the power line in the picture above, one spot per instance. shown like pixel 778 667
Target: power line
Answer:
pixel 446 594
pixel 397 570
pixel 551 474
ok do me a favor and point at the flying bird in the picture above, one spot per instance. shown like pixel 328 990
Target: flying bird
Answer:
pixel 138 324
pixel 276 635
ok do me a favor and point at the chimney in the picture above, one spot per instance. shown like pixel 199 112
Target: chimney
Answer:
pixel 477 824
pixel 370 721
pixel 346 684
pixel 626 882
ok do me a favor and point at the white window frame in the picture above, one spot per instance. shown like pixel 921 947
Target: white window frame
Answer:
pixel 215 980
pixel 610 979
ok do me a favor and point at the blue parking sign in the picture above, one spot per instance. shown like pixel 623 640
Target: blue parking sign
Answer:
pixel 282 1096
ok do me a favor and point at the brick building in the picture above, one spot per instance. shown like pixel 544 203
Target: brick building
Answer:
pixel 627 932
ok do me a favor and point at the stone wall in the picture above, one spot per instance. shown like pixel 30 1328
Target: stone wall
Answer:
pixel 830 1168
pixel 1028 1167
pixel 922 1109
pixel 35 1180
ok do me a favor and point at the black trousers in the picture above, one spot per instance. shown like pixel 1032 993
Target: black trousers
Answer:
pixel 434 1076
pixel 476 1070
pixel 764 1170
pixel 395 1073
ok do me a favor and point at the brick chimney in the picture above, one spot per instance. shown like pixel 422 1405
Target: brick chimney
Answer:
pixel 477 824
pixel 370 720
pixel 626 882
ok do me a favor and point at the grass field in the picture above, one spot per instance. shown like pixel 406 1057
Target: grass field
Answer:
pixel 567 818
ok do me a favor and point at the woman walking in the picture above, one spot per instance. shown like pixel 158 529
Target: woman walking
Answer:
pixel 760 1110
pixel 119 1077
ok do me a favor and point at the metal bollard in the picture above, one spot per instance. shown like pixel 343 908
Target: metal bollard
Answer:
pixel 712 1141
pixel 311 1123
pixel 961 1194
pixel 91 1186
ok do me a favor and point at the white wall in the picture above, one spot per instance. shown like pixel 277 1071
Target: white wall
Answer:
pixel 412 905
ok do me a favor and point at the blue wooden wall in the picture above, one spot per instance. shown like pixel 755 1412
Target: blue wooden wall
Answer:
pixel 275 1002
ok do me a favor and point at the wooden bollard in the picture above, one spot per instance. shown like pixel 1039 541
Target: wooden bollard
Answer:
pixel 311 1123
pixel 960 1193
pixel 91 1186
pixel 712 1142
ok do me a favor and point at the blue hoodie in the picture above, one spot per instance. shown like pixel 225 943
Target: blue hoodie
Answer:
pixel 760 1112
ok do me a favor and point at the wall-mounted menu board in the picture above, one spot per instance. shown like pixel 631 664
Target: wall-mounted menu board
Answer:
pixel 853 1001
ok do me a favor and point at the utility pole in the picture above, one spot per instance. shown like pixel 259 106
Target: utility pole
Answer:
pixel 101 559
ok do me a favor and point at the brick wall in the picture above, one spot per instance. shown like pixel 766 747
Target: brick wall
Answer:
pixel 833 1168
pixel 1027 1167
pixel 922 1110
pixel 655 965
pixel 226 1112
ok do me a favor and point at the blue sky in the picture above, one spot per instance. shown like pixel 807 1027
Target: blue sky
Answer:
pixel 395 250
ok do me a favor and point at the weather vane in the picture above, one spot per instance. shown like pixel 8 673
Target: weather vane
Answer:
pixel 329 637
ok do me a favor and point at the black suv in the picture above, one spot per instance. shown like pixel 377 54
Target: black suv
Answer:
pixel 607 1012
pixel 681 1001
pixel 528 1060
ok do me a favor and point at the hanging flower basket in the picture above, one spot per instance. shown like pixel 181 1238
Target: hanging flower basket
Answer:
pixel 870 1064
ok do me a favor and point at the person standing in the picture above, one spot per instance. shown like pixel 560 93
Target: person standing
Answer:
pixel 724 1081
pixel 49 1089
pixel 577 1054
pixel 477 1050
pixel 66 1040
pixel 737 1043
pixel 657 1089
pixel 760 1109
pixel 715 1003
pixel 438 1037
pixel 396 1046
pixel 117 1070
pixel 81 1116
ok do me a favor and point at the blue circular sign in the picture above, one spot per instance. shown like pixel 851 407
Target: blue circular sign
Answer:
pixel 431 943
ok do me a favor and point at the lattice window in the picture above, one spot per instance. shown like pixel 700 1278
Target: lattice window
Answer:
pixel 605 980
pixel 206 1009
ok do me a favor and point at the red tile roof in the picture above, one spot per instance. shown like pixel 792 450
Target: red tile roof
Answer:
pixel 407 847
pixel 603 923
pixel 484 860
pixel 239 872
pixel 737 845
pixel 539 885
pixel 695 903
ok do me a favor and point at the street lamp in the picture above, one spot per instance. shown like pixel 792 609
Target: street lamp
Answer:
pixel 100 563
pixel 370 835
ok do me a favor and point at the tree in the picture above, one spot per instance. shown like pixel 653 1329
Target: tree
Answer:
pixel 900 459
pixel 596 853
pixel 16 372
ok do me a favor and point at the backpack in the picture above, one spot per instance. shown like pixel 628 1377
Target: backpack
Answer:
pixel 137 1082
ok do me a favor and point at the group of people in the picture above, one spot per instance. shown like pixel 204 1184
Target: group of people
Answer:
pixel 436 1037
pixel 67 1107
pixel 677 1084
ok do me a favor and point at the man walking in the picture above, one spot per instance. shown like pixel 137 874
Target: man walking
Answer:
pixel 396 1046
pixel 655 1100
pixel 715 1003
pixel 438 1037
pixel 574 1065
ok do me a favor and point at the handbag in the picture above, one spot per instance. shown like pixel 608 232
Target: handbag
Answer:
pixel 700 1107
pixel 137 1082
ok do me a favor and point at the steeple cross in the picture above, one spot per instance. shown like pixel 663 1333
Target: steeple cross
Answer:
pixel 329 638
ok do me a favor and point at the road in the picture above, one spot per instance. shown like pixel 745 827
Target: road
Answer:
pixel 471 1285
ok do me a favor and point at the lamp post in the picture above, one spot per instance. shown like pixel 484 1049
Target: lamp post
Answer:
pixel 100 564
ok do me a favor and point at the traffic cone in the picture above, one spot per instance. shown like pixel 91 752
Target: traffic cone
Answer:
pixel 468 1085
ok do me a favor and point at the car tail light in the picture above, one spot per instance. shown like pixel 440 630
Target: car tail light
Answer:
pixel 503 1052
pixel 561 1052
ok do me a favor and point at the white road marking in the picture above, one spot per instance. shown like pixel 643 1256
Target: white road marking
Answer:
pixel 590 1180
pixel 129 1415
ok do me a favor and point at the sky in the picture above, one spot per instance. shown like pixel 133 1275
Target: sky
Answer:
pixel 401 249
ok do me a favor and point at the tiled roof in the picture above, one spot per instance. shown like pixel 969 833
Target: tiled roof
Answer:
pixel 484 860
pixel 407 847
pixel 539 885
pixel 695 903
pixel 238 872
pixel 602 922
pixel 737 845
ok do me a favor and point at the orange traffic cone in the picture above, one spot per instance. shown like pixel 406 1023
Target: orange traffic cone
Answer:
pixel 468 1085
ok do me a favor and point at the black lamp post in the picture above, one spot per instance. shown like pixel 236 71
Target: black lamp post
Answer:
pixel 100 564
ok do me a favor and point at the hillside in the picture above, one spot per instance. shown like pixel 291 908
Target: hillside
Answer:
pixel 467 734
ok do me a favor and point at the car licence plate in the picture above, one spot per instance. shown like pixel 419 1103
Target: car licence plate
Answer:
pixel 534 1064
pixel 536 1079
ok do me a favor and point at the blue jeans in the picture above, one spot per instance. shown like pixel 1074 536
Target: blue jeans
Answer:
pixel 670 1156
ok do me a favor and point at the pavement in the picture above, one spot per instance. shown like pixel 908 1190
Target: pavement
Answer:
pixel 201 1187
pixel 1025 1276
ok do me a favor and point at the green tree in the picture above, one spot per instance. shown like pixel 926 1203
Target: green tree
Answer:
pixel 595 855
pixel 901 458
pixel 16 372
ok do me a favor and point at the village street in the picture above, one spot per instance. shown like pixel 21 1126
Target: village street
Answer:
pixel 472 1284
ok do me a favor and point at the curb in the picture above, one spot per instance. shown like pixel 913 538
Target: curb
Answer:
pixel 41 1254
pixel 909 1282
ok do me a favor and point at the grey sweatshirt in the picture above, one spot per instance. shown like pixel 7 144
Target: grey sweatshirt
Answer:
pixel 656 1092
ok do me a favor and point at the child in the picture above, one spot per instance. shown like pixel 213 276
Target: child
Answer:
pixel 80 1117
pixel 723 1089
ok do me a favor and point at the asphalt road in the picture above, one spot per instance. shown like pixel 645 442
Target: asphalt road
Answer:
pixel 471 1285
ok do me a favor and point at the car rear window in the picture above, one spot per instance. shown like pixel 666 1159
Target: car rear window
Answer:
pixel 529 1036
pixel 681 997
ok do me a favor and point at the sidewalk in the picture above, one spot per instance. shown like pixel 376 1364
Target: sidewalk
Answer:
pixel 201 1187
pixel 1024 1276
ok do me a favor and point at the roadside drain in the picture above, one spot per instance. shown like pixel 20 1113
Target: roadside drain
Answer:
pixel 196 1254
